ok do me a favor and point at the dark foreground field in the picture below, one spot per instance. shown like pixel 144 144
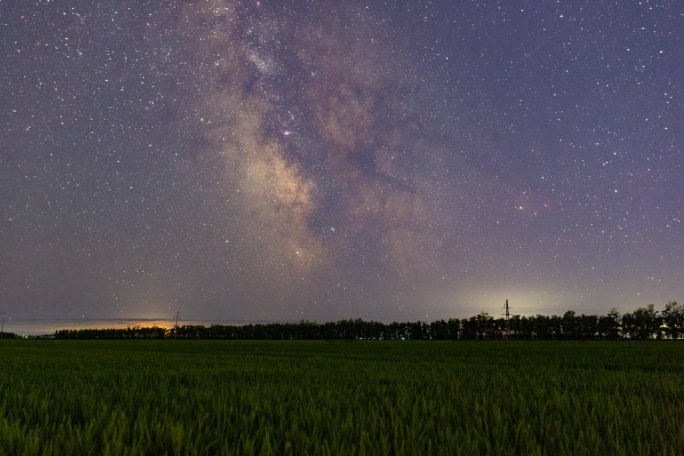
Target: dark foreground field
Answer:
pixel 212 397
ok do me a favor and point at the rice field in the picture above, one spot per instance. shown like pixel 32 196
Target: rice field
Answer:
pixel 352 398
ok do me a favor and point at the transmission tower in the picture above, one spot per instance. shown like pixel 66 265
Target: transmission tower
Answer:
pixel 508 319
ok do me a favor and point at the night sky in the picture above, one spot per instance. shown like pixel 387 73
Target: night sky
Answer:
pixel 288 160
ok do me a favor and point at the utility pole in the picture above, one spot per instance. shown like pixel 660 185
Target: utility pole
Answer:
pixel 177 315
pixel 508 319
pixel 2 328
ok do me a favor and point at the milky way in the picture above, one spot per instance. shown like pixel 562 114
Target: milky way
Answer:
pixel 328 167
pixel 322 160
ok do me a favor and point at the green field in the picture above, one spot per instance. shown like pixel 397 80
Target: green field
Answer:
pixel 251 397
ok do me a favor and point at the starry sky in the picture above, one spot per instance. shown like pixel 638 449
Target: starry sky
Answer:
pixel 388 160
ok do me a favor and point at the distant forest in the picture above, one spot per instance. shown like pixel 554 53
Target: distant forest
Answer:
pixel 642 324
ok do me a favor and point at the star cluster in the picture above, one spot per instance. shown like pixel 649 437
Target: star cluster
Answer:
pixel 389 160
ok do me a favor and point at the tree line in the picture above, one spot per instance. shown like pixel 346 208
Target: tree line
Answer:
pixel 642 324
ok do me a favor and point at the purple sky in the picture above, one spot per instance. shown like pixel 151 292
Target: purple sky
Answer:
pixel 325 160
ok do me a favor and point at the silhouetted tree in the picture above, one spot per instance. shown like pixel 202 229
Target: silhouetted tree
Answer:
pixel 673 318
pixel 482 326
pixel 570 326
pixel 587 326
pixel 609 325
pixel 541 327
pixel 642 324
